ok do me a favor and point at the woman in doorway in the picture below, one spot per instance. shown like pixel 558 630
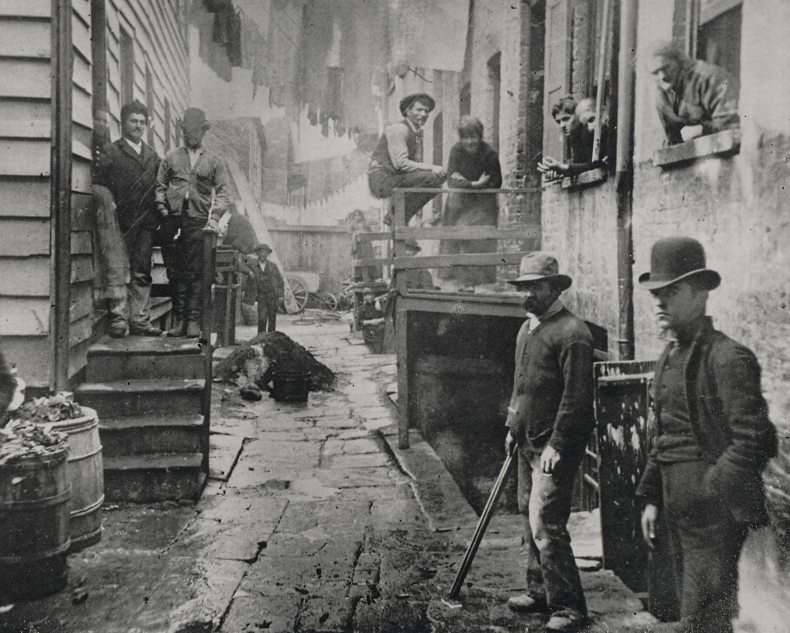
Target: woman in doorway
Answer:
pixel 474 164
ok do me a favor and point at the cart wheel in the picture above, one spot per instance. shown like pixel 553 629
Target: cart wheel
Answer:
pixel 329 301
pixel 299 291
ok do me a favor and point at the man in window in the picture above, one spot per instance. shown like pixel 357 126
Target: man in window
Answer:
pixel 713 439
pixel 397 157
pixel 128 168
pixel 693 97
pixel 187 179
pixel 577 123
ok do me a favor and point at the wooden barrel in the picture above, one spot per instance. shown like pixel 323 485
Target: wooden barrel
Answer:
pixel 86 474
pixel 34 526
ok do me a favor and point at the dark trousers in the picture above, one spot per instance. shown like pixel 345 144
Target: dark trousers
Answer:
pixel 544 501
pixel 183 259
pixel 140 247
pixel 705 543
pixel 267 312
pixel 382 183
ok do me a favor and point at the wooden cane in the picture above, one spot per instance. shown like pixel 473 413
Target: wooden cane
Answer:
pixel 482 525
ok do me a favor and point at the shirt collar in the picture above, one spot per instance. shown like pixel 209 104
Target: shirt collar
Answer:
pixel 535 321
pixel 137 147
pixel 414 128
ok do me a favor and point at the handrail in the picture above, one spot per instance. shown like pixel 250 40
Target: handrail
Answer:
pixel 207 280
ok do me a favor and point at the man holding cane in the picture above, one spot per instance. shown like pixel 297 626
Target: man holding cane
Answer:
pixel 550 417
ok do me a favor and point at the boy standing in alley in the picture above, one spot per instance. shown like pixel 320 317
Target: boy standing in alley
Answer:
pixel 269 286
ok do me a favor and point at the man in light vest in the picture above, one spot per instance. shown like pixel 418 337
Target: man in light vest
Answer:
pixel 398 155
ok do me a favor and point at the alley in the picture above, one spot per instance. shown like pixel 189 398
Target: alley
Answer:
pixel 312 521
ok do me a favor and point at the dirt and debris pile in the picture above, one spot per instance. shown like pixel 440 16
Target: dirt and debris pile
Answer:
pixel 255 361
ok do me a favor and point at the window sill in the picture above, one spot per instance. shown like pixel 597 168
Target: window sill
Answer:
pixel 725 143
pixel 591 177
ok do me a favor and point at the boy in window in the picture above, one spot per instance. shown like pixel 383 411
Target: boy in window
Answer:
pixel 577 122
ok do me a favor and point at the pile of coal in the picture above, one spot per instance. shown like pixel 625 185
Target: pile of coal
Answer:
pixel 254 362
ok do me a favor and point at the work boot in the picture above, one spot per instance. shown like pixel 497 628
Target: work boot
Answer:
pixel 566 621
pixel 192 307
pixel 117 314
pixel 179 302
pixel 192 330
pixel 148 330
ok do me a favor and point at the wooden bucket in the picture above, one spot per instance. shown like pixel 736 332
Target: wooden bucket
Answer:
pixel 86 474
pixel 34 526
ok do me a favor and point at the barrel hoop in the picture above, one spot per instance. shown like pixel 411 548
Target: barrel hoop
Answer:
pixel 88 509
pixel 26 558
pixel 39 503
pixel 78 458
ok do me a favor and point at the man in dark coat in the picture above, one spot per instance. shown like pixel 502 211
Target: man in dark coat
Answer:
pixel 713 439
pixel 550 417
pixel 128 168
pixel 192 195
pixel 270 288
pixel 397 159
pixel 693 97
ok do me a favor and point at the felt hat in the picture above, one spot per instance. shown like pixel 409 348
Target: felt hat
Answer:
pixel 673 259
pixel 538 266
pixel 195 117
pixel 412 244
pixel 407 102
pixel 263 247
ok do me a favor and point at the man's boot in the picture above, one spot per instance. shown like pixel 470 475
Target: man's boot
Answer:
pixel 194 300
pixel 179 305
pixel 117 314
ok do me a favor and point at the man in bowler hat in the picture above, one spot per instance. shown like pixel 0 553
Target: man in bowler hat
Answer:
pixel 550 417
pixel 397 159
pixel 188 178
pixel 712 440
pixel 270 288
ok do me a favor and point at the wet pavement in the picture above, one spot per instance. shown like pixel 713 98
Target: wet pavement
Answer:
pixel 313 520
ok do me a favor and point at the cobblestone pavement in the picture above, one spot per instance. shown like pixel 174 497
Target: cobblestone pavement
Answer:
pixel 314 522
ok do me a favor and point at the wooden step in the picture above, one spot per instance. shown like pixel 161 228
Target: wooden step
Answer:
pixel 154 477
pixel 140 357
pixel 161 396
pixel 140 435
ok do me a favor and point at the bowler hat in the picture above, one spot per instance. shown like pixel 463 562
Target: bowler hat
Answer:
pixel 538 266
pixel 195 117
pixel 673 259
pixel 407 102
pixel 412 244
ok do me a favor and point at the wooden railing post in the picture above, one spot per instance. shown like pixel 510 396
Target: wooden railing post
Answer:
pixel 401 325
pixel 209 267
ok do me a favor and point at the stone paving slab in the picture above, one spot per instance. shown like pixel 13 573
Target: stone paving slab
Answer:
pixel 224 450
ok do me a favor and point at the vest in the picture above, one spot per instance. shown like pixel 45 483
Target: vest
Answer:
pixel 381 154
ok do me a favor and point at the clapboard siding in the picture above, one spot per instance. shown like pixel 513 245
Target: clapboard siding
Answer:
pixel 27 9
pixel 23 237
pixel 25 78
pixel 24 197
pixel 24 316
pixel 24 276
pixel 24 157
pixel 24 38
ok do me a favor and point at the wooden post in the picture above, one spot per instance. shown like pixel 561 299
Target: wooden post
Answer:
pixel 401 324
pixel 603 54
pixel 60 193
pixel 206 325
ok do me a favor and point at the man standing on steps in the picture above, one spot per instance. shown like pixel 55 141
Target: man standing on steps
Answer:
pixel 713 439
pixel 128 168
pixel 188 177
pixel 550 417
pixel 398 155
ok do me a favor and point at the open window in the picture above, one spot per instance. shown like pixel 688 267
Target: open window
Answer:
pixel 709 30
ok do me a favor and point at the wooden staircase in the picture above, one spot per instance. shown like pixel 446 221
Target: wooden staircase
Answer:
pixel 153 402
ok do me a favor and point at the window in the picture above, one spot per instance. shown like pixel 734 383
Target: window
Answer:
pixel 127 68
pixel 719 34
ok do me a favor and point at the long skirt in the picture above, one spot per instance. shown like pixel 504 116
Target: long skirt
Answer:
pixel 470 210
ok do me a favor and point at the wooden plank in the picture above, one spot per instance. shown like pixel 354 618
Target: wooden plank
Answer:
pixel 78 357
pixel 32 357
pixel 515 232
pixel 23 237
pixel 401 342
pixel 34 128
pixel 24 197
pixel 24 157
pixel 24 276
pixel 82 109
pixel 310 228
pixel 81 268
pixel 82 11
pixel 373 236
pixel 25 38
pixel 25 78
pixel 81 243
pixel 81 37
pixel 81 330
pixel 509 307
pixel 81 150
pixel 81 75
pixel 26 9
pixel 81 212
pixel 24 316
pixel 81 176
pixel 81 301
pixel 447 261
